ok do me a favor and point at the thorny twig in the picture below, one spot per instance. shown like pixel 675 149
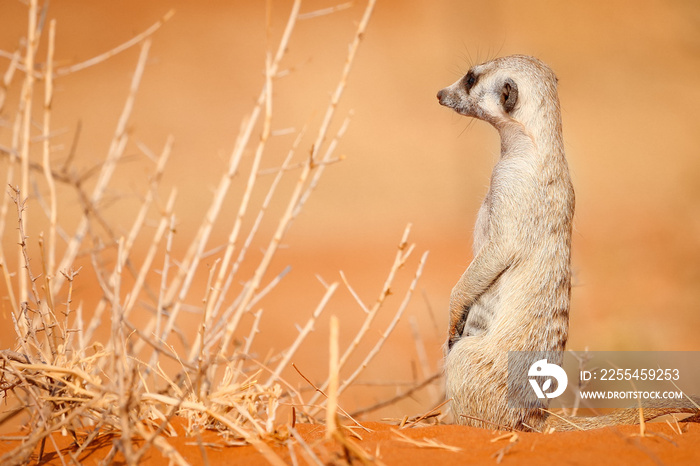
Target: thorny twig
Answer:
pixel 84 381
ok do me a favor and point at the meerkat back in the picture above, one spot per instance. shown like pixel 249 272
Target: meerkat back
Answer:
pixel 514 296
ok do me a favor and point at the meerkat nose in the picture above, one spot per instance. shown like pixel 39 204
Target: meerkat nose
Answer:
pixel 440 94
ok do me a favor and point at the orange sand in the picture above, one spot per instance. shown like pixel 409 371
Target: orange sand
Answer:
pixel 662 444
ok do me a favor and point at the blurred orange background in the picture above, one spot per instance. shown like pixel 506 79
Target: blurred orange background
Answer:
pixel 628 81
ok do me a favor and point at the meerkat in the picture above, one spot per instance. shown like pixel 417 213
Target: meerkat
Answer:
pixel 515 294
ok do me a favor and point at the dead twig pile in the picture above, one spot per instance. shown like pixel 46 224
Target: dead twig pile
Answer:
pixel 59 376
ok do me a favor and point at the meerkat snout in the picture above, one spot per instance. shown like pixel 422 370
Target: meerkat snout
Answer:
pixel 446 97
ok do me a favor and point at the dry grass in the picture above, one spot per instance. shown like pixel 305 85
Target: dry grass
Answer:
pixel 59 377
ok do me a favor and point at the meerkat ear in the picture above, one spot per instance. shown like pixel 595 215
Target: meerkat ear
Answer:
pixel 509 95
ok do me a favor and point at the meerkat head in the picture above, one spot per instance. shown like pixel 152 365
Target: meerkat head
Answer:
pixel 515 88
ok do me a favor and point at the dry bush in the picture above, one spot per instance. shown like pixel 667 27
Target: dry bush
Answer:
pixel 58 375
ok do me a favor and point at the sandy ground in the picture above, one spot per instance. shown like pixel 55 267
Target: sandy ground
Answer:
pixel 444 444
pixel 628 87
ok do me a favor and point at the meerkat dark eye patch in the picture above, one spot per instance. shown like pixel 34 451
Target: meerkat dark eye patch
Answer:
pixel 509 95
pixel 469 80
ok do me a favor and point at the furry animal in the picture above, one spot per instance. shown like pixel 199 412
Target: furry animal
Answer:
pixel 514 296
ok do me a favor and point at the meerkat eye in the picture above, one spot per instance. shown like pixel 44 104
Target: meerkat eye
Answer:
pixel 469 80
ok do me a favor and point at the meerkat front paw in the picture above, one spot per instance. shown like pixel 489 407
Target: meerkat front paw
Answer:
pixel 457 327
